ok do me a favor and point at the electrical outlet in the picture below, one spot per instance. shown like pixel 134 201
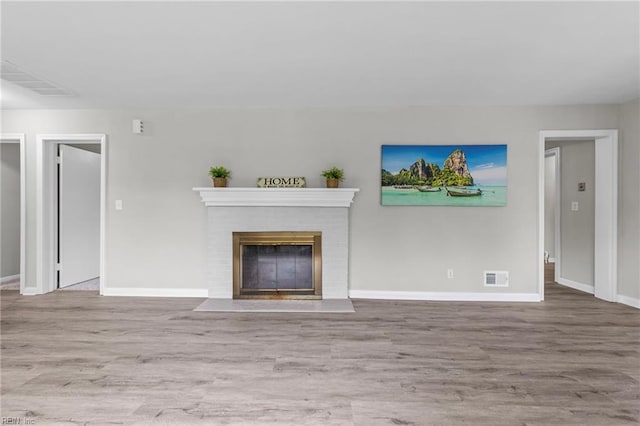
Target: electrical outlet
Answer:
pixel 118 204
pixel 450 273
pixel 575 206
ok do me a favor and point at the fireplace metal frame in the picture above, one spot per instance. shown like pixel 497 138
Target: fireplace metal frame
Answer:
pixel 275 238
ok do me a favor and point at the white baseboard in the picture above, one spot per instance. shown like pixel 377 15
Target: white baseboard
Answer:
pixel 630 301
pixel 9 278
pixel 450 296
pixel 576 285
pixel 156 292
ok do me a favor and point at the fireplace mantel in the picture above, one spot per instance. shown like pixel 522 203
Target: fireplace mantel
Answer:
pixel 321 210
pixel 277 197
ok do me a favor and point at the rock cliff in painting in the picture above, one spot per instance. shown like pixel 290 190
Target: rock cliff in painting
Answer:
pixel 454 172
pixel 423 170
pixel 457 162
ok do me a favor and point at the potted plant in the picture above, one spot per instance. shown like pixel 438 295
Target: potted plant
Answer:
pixel 334 176
pixel 219 175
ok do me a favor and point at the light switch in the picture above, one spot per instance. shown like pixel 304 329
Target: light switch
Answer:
pixel 575 206
pixel 118 204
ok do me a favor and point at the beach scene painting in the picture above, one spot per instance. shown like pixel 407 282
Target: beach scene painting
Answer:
pixel 444 175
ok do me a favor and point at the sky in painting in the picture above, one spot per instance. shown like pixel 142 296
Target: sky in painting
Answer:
pixel 487 163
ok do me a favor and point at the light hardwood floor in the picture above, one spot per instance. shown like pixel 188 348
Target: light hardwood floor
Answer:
pixel 77 358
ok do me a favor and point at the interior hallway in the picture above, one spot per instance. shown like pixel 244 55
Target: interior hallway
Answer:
pixel 79 357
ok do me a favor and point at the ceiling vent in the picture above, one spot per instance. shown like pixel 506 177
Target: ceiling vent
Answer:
pixel 12 73
pixel 496 278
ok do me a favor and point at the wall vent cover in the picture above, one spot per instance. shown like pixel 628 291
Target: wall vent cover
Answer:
pixel 496 278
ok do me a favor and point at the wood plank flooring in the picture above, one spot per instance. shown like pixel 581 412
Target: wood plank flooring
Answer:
pixel 78 358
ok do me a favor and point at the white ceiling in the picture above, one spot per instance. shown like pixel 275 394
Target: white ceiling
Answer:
pixel 291 54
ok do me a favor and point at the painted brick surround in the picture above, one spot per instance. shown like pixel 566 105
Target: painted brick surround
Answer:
pixel 256 210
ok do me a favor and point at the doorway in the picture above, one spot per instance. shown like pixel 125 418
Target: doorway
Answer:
pixel 552 192
pixel 73 242
pixel 569 185
pixel 12 204
pixel 78 217
pixel 605 188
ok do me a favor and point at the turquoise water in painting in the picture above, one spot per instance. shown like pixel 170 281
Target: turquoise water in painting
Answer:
pixel 491 196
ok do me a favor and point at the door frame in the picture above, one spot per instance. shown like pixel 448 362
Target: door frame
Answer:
pixel 557 243
pixel 19 138
pixel 606 207
pixel 45 205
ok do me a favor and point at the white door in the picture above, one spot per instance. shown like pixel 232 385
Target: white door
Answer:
pixel 79 228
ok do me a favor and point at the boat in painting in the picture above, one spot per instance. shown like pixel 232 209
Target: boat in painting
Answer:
pixel 463 192
pixel 428 189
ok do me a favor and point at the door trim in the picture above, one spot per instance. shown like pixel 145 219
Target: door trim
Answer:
pixel 19 138
pixel 606 207
pixel 45 192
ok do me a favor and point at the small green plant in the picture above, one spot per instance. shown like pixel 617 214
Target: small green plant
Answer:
pixel 334 173
pixel 220 172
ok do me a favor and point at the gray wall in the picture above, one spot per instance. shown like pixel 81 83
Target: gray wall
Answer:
pixel 158 239
pixel 550 205
pixel 87 147
pixel 10 209
pixel 629 201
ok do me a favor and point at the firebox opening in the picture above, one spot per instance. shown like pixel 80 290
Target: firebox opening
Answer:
pixel 282 265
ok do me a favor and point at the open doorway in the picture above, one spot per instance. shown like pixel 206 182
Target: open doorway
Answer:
pixel 603 247
pixel 78 217
pixel 71 207
pixel 551 205
pixel 570 213
pixel 12 212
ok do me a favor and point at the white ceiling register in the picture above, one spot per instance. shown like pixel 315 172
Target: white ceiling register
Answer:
pixel 232 210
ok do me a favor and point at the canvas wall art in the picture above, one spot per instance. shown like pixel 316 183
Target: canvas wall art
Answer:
pixel 444 175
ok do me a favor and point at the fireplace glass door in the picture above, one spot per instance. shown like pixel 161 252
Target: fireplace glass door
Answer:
pixel 277 265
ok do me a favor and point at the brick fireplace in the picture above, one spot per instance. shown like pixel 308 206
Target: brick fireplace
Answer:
pixel 324 212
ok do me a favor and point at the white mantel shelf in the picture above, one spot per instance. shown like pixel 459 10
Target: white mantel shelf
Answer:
pixel 277 197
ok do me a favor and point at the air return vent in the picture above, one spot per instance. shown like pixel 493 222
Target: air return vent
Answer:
pixel 496 278
pixel 14 74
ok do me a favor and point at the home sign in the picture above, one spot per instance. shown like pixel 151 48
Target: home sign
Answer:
pixel 281 182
